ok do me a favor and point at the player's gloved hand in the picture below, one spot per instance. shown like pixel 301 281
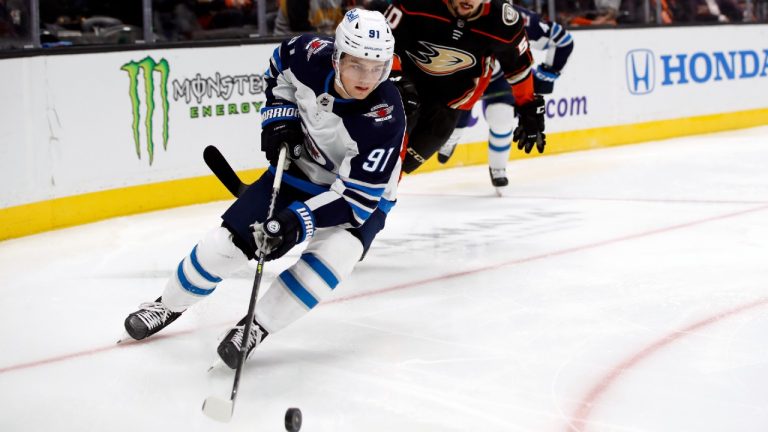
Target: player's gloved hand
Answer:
pixel 280 233
pixel 530 128
pixel 408 93
pixel 281 126
pixel 544 79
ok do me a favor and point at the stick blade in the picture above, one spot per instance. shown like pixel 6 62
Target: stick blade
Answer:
pixel 223 170
pixel 218 409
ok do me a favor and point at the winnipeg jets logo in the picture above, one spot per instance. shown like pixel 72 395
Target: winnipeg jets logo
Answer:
pixel 315 46
pixel 380 113
pixel 440 60
pixel 316 154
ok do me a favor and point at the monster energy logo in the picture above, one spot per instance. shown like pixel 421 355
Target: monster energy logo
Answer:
pixel 149 66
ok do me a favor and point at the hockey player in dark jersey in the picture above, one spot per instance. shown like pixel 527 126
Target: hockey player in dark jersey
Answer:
pixel 498 102
pixel 332 98
pixel 446 50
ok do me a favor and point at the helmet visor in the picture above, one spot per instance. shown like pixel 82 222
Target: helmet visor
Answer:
pixel 362 70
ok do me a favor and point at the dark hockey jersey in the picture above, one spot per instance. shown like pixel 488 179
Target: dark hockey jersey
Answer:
pixel 451 59
pixel 351 161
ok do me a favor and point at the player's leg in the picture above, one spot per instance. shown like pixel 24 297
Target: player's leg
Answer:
pixel 196 277
pixel 499 141
pixel 329 257
pixel 446 151
pixel 222 251
pixel 432 129
pixel 499 113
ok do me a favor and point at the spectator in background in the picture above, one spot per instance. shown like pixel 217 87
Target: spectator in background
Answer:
pixel 174 19
pixel 63 13
pixel 670 10
pixel 681 11
pixel 6 27
pixel 14 24
pixel 20 17
pixel 613 12
pixel 126 11
pixel 71 14
pixel 606 12
pixel 230 14
pixel 301 16
pixel 718 10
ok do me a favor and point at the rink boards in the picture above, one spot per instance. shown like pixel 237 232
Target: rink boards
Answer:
pixel 91 136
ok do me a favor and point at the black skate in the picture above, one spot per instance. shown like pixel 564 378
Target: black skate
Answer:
pixel 149 319
pixel 446 151
pixel 498 177
pixel 229 348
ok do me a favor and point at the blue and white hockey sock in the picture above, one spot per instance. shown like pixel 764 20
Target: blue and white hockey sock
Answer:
pixel 197 275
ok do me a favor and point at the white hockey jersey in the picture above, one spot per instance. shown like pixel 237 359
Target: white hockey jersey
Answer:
pixel 351 160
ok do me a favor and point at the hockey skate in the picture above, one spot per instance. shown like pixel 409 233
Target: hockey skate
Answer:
pixel 499 179
pixel 149 319
pixel 229 348
pixel 446 151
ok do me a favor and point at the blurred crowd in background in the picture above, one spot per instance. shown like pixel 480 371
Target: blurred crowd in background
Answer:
pixel 52 23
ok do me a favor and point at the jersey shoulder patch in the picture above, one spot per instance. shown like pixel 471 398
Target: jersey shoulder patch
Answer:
pixel 503 21
pixel 384 105
pixel 509 15
pixel 317 45
pixel 308 45
pixel 381 112
pixel 310 59
pixel 380 118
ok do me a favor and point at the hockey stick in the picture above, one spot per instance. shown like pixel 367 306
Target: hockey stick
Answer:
pixel 223 171
pixel 214 407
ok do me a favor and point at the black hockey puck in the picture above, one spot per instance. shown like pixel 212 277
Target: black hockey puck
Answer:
pixel 293 420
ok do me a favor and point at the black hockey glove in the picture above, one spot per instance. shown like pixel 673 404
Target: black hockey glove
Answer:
pixel 530 127
pixel 544 79
pixel 280 233
pixel 408 93
pixel 281 125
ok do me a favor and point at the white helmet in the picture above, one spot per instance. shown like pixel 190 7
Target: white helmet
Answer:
pixel 364 34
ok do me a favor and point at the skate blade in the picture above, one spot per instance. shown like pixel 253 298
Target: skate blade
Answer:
pixel 218 409
pixel 217 364
pixel 500 191
pixel 125 338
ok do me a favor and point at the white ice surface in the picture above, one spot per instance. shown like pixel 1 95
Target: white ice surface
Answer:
pixel 623 289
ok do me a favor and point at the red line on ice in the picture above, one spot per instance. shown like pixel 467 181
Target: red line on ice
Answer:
pixel 416 283
pixel 579 420
pixel 88 352
pixel 550 254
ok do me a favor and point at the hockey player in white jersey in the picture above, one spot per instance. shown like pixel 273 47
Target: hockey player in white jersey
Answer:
pixel 331 98
pixel 498 102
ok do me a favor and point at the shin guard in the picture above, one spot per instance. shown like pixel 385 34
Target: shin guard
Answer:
pixel 197 275
pixel 500 118
pixel 330 257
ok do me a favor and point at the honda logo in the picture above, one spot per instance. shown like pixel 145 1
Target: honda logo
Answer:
pixel 641 71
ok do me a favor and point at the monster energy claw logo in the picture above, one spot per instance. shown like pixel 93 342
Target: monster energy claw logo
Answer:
pixel 149 66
